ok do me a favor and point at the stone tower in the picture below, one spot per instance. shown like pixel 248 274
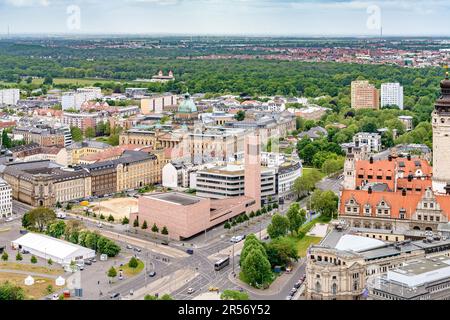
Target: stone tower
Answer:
pixel 252 174
pixel 441 140
pixel 355 153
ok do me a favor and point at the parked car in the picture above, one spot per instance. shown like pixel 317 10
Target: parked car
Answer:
pixel 137 249
pixel 129 247
pixel 55 296
pixel 293 291
pixel 190 251
pixel 289 298
pixel 190 291
pixel 25 251
pixel 213 289
pixel 93 260
pixel 88 262
pixel 115 295
pixel 152 274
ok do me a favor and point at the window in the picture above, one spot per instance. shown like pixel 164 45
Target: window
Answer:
pixel 419 217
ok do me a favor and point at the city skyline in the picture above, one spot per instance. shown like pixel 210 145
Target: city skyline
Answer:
pixel 217 17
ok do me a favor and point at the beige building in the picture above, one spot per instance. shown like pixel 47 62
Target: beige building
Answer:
pixel 158 104
pixel 364 95
pixel 79 150
pixel 43 183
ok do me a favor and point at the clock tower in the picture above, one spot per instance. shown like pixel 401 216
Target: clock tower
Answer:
pixel 441 140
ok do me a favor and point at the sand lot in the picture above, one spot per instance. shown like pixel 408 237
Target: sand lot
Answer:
pixel 118 207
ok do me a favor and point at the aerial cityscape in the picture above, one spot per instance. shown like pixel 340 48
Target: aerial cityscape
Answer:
pixel 246 164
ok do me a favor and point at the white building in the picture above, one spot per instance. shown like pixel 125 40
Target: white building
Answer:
pixel 372 140
pixel 5 199
pixel 392 94
pixel 46 247
pixel 407 121
pixel 9 96
pixel 74 100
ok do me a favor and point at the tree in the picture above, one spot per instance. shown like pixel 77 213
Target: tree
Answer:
pixel 77 134
pixel 256 268
pixel 295 216
pixel 111 218
pixel 89 133
pixel 102 217
pixel 166 297
pixel 112 273
pixel 48 80
pixel 227 225
pixel 145 226
pixel 278 227
pixel 325 202
pixel 250 243
pixel 165 231
pixel 125 221
pixel 9 291
pixel 58 204
pixel 39 218
pixel 133 263
pixel 6 140
pixel 33 259
pixel 5 256
pixel 155 229
pixel 19 257
pixel 110 248
pixel 240 115
pixel 234 295
pixel 50 261
pixel 56 229
pixel 150 297
pixel 136 223
pixel 49 289
pixel 252 214
pixel 281 251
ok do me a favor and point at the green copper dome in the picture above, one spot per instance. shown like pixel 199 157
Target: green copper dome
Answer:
pixel 188 105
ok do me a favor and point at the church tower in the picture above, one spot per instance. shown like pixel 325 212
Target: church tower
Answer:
pixel 441 140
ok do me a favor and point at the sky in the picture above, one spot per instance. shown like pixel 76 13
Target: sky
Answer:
pixel 227 17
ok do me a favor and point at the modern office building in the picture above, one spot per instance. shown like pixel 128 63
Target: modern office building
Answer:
pixel 372 140
pixel 9 97
pixel 5 199
pixel 158 103
pixel 364 95
pixel 392 95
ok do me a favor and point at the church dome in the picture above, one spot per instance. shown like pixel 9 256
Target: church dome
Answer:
pixel 188 105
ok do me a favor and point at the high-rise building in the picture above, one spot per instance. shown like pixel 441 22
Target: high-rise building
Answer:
pixel 392 94
pixel 9 96
pixel 441 140
pixel 364 95
pixel 252 175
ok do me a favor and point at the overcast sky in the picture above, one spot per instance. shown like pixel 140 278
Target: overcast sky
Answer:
pixel 227 17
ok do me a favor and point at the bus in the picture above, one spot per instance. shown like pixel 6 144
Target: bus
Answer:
pixel 219 265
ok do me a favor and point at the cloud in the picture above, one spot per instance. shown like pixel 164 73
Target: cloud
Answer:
pixel 28 3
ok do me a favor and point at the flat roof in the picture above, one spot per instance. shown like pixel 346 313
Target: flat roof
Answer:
pixel 357 243
pixel 177 198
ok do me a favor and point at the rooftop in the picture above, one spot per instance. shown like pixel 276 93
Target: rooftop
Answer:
pixel 176 198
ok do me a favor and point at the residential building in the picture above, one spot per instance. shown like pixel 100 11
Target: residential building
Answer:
pixel 372 140
pixel 80 150
pixel 314 133
pixel 83 120
pixel 9 97
pixel 74 100
pixel 45 136
pixel 35 152
pixel 158 103
pixel 392 95
pixel 364 95
pixel 5 199
pixel 407 121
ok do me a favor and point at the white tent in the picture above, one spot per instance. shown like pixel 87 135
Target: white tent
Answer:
pixel 46 247
pixel 60 281
pixel 29 281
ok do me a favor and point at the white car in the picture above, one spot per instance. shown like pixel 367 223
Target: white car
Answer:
pixel 237 239
pixel 190 291
pixel 55 297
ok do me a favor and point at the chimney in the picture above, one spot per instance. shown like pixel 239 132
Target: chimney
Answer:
pixel 371 160
pixel 369 190
pixel 409 157
pixel 390 158
pixel 404 192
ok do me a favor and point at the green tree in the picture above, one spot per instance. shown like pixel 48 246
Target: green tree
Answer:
pixel 56 229
pixel 256 268
pixel 112 273
pixel 102 217
pixel 38 218
pixel 50 261
pixel 49 289
pixel 281 251
pixel 227 225
pixel 48 80
pixel 9 291
pixel 5 256
pixel 278 227
pixel 240 115
pixel 77 134
pixel 19 257
pixel 150 297
pixel 295 216
pixel 145 226
pixel 133 263
pixel 136 223
pixel 234 295
pixel 33 259
pixel 250 243
pixel 6 140
pixel 165 231
pixel 110 218
pixel 325 202
pixel 89 133
pixel 125 221
pixel 155 228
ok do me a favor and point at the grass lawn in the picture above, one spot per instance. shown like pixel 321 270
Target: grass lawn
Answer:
pixel 36 291
pixel 304 243
pixel 132 271
pixel 308 169
pixel 29 267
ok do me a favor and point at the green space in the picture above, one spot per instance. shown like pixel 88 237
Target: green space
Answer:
pixel 29 268
pixel 129 271
pixel 304 243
